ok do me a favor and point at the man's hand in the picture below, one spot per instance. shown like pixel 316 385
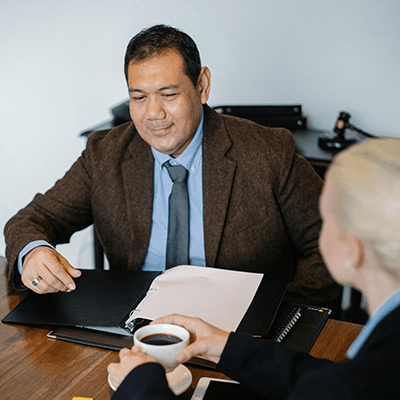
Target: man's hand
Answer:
pixel 129 359
pixel 53 271
pixel 207 341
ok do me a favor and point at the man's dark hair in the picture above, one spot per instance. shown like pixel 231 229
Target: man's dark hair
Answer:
pixel 159 38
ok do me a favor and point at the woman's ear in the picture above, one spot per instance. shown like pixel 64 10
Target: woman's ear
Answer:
pixel 204 84
pixel 355 252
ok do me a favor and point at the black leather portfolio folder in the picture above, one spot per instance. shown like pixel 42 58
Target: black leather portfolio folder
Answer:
pixel 101 298
pixel 106 298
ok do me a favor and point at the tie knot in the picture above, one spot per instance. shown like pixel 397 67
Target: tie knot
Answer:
pixel 178 173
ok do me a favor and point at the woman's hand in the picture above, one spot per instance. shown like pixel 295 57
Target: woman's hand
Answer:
pixel 129 359
pixel 207 341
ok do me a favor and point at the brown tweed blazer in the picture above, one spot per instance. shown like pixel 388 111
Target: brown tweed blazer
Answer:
pixel 260 204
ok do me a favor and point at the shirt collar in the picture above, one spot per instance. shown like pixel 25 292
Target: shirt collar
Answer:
pixel 387 306
pixel 190 157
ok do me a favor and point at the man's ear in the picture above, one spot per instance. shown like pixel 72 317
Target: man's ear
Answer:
pixel 204 84
pixel 355 252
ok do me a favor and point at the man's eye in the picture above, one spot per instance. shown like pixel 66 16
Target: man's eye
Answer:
pixel 171 95
pixel 139 98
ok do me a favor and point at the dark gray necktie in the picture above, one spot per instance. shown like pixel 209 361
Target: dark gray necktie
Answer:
pixel 178 217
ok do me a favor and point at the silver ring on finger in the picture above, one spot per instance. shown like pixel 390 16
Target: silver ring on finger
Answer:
pixel 36 281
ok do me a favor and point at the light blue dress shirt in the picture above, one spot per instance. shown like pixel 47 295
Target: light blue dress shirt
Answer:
pixel 384 309
pixel 191 159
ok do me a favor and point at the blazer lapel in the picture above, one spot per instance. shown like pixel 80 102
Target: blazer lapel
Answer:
pixel 138 175
pixel 218 174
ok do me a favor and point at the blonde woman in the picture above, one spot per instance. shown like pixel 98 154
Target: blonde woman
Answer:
pixel 360 242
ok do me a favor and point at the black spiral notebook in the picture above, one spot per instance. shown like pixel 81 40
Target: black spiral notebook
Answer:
pixel 298 326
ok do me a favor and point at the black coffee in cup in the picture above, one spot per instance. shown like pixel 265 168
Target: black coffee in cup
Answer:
pixel 160 339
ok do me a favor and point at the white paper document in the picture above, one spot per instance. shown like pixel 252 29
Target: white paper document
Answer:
pixel 220 297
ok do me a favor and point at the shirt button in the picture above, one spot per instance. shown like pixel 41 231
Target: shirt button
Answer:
pixel 193 168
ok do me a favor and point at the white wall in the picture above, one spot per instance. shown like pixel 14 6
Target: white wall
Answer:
pixel 61 69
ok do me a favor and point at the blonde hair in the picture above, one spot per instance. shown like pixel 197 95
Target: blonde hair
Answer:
pixel 367 189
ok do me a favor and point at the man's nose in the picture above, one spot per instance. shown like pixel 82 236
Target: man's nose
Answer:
pixel 155 110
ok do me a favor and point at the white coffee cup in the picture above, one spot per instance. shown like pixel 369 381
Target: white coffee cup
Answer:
pixel 150 338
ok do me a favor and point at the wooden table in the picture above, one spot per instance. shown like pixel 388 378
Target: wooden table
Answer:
pixel 35 367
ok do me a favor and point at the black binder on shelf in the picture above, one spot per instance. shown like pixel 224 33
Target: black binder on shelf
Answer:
pixel 106 298
pixel 249 111
pixel 285 116
pixel 291 123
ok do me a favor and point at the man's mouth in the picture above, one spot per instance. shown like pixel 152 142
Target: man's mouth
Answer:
pixel 159 129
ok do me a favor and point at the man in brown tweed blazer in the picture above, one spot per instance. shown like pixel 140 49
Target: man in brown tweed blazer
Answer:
pixel 259 198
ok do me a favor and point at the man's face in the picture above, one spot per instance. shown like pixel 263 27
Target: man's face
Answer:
pixel 164 104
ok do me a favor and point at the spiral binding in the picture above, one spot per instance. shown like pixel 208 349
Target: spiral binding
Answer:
pixel 290 321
